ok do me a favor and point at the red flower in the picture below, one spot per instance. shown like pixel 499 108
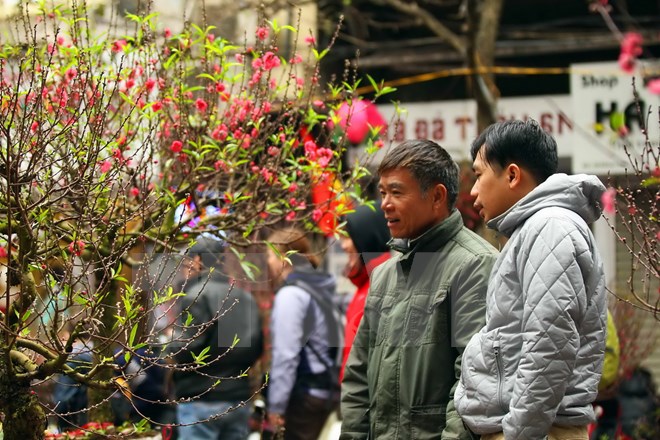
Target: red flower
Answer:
pixel 631 48
pixel 3 252
pixel 150 83
pixel 219 133
pixel 262 33
pixel 608 200
pixel 119 45
pixel 156 106
pixel 627 62
pixel 167 32
pixel 632 44
pixel 201 105
pixel 316 215
pixel 176 147
pixel 653 86
pixel 271 61
pixel 106 166
pixel 71 73
pixel 135 192
pixel 76 247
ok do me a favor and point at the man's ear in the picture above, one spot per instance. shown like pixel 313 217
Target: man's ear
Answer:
pixel 514 175
pixel 440 194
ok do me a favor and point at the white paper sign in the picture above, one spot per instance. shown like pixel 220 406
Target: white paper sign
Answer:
pixel 604 108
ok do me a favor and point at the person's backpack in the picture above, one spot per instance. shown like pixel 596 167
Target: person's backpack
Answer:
pixel 610 373
pixel 335 320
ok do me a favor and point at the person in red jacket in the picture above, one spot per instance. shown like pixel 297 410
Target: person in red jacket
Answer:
pixel 366 246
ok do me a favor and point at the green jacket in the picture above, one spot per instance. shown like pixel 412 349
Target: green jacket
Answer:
pixel 422 309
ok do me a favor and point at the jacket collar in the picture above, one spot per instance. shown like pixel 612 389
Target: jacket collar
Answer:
pixel 433 239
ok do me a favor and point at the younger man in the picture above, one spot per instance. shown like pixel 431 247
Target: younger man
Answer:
pixel 533 370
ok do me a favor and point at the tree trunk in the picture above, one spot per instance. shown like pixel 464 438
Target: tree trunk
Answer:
pixel 24 418
pixel 483 24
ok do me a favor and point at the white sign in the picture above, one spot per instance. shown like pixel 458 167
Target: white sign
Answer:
pixel 606 117
pixel 591 125
pixel 453 124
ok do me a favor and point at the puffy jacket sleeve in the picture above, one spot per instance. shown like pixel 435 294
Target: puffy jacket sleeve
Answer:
pixel 355 388
pixel 554 291
pixel 468 317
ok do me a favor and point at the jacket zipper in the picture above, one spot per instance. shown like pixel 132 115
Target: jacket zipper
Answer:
pixel 500 375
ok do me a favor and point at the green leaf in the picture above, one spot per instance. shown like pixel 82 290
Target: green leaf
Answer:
pixel 131 338
pixel 319 55
pixel 207 76
pixel 199 358
pixel 651 181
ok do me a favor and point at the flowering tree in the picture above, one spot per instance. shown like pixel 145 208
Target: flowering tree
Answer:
pixel 102 138
pixel 634 199
pixel 632 202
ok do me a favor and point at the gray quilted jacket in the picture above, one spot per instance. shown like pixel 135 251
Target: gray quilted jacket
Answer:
pixel 538 360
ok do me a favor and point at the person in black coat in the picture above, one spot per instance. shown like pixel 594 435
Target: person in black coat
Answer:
pixel 219 337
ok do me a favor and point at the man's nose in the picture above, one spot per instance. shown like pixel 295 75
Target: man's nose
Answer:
pixel 474 192
pixel 385 203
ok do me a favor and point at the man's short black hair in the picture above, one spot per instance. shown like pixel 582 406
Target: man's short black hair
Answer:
pixel 524 143
pixel 428 162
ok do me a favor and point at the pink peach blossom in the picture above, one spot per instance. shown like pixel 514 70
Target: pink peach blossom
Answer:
pixel 627 62
pixel 176 147
pixel 76 247
pixel 317 214
pixel 653 86
pixel 106 166
pixel 262 33
pixel 119 45
pixel 608 200
pixel 201 105
pixel 632 43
